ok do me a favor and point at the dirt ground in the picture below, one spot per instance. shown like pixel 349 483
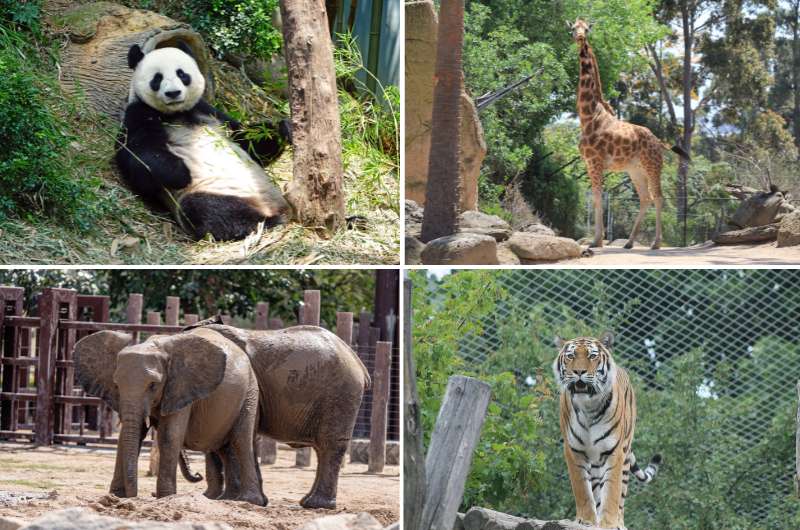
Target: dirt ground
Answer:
pixel 77 477
pixel 706 254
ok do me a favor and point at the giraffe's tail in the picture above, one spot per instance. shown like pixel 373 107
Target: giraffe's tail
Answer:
pixel 679 150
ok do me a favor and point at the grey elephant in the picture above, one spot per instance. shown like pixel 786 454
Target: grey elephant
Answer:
pixel 310 384
pixel 197 388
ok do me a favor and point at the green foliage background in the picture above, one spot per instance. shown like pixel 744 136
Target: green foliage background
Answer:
pixel 728 450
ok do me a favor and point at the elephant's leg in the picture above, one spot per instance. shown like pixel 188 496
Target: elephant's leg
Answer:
pixel 118 482
pixel 329 462
pixel 213 475
pixel 231 473
pixel 242 448
pixel 171 434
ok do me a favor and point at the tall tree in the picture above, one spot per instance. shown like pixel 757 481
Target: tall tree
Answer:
pixel 787 67
pixel 443 191
pixel 316 192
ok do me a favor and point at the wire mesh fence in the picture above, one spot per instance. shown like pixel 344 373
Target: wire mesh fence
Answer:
pixel 714 357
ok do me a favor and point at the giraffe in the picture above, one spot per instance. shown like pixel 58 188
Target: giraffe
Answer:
pixel 611 144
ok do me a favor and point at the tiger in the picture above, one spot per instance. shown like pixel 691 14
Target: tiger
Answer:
pixel 597 417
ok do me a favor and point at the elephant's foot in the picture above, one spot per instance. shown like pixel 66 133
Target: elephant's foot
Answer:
pixel 212 493
pixel 316 500
pixel 254 498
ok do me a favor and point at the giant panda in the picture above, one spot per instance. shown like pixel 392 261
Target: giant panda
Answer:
pixel 177 151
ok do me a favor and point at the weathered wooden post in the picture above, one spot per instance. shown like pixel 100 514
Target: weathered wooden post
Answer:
pixel 415 483
pixel 380 401
pixel 133 312
pixel 154 318
pixel 10 305
pixel 310 316
pixel 190 318
pixel 172 310
pixel 455 435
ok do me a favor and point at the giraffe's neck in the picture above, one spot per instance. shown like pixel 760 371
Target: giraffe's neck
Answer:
pixel 591 105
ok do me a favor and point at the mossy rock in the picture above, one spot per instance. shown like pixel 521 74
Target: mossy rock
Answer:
pixel 95 62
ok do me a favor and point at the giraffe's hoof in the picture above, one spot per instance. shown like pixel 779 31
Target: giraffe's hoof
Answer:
pixel 629 245
pixel 655 246
pixel 596 245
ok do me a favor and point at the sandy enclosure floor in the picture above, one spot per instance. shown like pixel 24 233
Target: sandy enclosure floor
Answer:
pixel 706 254
pixel 81 476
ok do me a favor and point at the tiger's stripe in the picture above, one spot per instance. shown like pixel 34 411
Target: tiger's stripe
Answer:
pixel 597 417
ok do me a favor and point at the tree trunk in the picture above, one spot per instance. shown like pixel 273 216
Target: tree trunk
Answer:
pixel 442 195
pixel 315 193
pixel 795 24
pixel 688 116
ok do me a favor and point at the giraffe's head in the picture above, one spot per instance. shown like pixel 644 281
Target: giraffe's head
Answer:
pixel 580 29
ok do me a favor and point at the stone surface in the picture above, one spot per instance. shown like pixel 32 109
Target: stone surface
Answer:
pixel 485 519
pixel 461 249
pixel 344 521
pixel 532 248
pixel 537 228
pixel 359 452
pixel 475 222
pixel 789 230
pixel 11 523
pixel 505 255
pixel 753 234
pixel 414 248
pixel 85 519
pixel 759 209
pixel 420 56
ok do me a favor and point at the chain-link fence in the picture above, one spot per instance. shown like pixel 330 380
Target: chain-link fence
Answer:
pixel 714 357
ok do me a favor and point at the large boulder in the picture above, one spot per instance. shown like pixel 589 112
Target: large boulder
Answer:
pixel 532 248
pixel 760 209
pixel 413 248
pixel 537 228
pixel 344 521
pixel 85 519
pixel 461 249
pixel 420 42
pixel 475 222
pixel 506 256
pixel 485 519
pixel 789 230
pixel 413 219
pixel 752 234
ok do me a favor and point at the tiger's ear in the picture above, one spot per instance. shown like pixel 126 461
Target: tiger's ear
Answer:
pixel 607 338
pixel 559 342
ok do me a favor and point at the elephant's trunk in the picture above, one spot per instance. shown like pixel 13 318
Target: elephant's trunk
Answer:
pixel 130 443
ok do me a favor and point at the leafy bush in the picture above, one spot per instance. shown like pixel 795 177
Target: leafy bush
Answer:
pixel 35 167
pixel 235 26
pixel 22 14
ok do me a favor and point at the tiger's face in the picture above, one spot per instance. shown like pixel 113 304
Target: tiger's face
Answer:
pixel 584 365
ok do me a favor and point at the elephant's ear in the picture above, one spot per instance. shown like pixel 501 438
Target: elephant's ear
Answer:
pixel 196 367
pixel 95 361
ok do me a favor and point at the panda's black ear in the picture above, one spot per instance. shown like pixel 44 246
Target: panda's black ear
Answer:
pixel 182 46
pixel 135 55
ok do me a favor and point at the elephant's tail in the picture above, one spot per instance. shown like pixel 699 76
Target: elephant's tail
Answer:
pixel 183 460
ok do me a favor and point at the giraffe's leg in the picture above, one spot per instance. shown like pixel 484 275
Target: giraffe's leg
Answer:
pixel 596 177
pixel 657 241
pixel 644 204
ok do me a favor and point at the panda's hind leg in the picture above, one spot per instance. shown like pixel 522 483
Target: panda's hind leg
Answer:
pixel 226 218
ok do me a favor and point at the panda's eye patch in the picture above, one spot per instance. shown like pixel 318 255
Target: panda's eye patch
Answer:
pixel 185 78
pixel 155 83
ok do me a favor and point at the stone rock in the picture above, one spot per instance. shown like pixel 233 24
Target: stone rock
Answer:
pixel 475 222
pixel 458 524
pixel 537 228
pixel 359 452
pixel 753 234
pixel 413 219
pixel 420 57
pixel 344 521
pixel 505 255
pixel 85 519
pixel 536 248
pixel 789 230
pixel 461 249
pixel 759 209
pixel 414 248
pixel 485 519
pixel 11 523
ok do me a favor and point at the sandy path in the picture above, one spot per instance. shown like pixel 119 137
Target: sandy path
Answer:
pixel 80 477
pixel 706 254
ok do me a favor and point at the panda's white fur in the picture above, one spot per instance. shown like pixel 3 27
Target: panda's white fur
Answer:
pixel 223 179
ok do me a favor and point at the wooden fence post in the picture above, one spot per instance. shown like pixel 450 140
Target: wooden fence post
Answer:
pixel 172 310
pixel 153 317
pixel 133 312
pixel 344 327
pixel 309 316
pixel 455 435
pixel 189 319
pixel 267 447
pixel 415 482
pixel 380 401
pixel 10 305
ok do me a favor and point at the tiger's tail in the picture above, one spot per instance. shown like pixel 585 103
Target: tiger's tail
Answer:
pixel 648 473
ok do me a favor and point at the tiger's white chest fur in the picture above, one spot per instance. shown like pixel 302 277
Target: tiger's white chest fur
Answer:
pixel 216 163
pixel 590 427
